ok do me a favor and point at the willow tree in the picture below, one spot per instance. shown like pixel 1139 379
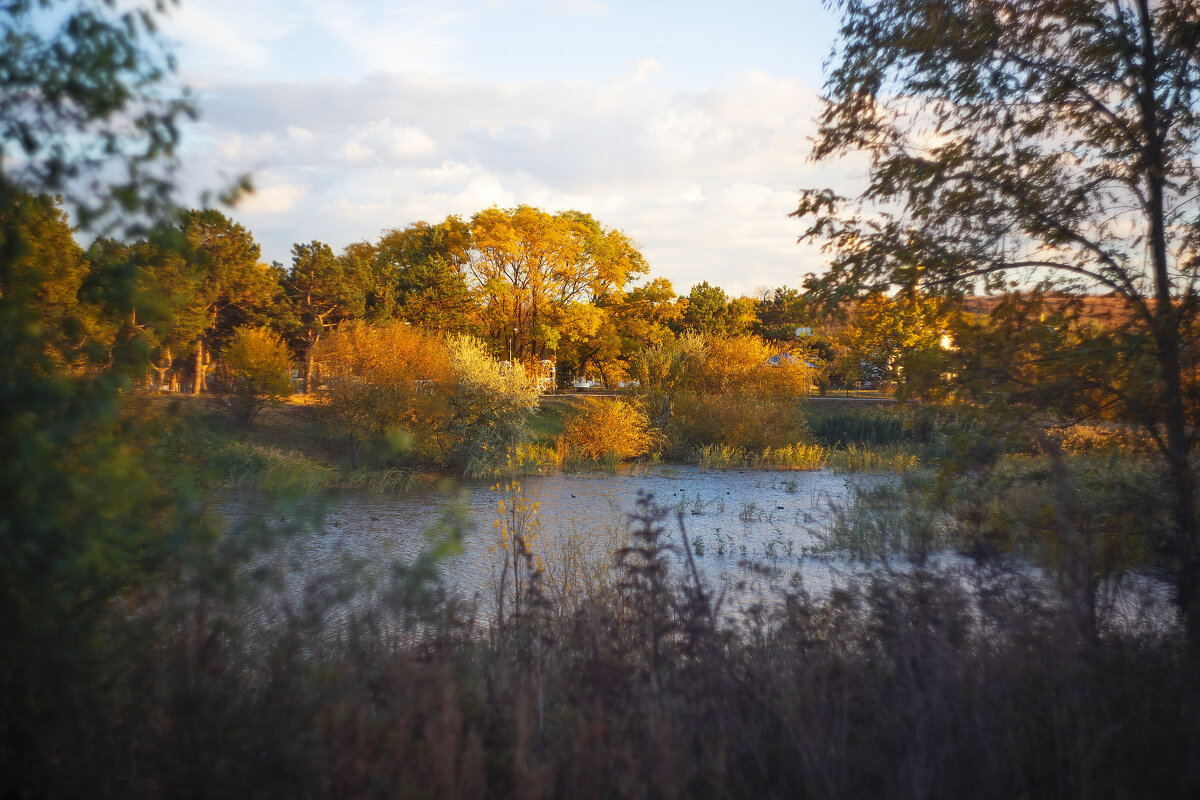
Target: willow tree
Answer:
pixel 1031 138
pixel 537 272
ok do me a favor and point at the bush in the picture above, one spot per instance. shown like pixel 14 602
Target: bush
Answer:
pixel 490 403
pixel 388 387
pixel 412 395
pixel 608 426
pixel 722 390
pixel 256 370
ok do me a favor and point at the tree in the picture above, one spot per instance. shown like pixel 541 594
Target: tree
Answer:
pixel 85 113
pixel 377 277
pixel 256 366
pixel 428 264
pixel 709 312
pixel 706 311
pixel 883 334
pixel 779 313
pixel 388 387
pixel 1054 137
pixel 148 291
pixel 533 269
pixel 43 273
pixel 322 291
pixel 721 390
pixel 235 287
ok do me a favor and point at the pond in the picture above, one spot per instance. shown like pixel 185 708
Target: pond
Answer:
pixel 770 519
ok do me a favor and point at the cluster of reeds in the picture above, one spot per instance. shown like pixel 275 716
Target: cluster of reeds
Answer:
pixel 803 457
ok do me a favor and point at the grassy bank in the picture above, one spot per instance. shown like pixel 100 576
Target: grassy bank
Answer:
pixel 288 450
pixel 292 447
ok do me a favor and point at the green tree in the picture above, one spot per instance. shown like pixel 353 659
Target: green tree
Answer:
pixel 779 313
pixel 428 263
pixel 376 276
pixel 147 291
pixel 1048 136
pixel 236 288
pixel 322 290
pixel 85 109
pixel 85 113
pixel 710 312
pixel 707 310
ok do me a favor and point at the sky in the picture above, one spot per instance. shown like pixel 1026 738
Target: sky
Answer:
pixel 684 124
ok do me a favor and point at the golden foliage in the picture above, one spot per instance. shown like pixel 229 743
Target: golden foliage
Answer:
pixel 392 380
pixel 608 426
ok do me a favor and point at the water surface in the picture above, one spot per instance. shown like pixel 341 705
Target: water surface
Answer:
pixel 771 519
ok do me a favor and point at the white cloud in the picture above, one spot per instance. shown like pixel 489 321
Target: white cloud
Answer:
pixel 273 199
pixel 704 180
pixel 298 134
pixel 355 152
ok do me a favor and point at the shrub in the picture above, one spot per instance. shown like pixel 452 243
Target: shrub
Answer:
pixel 750 421
pixel 388 386
pixel 489 403
pixel 608 426
pixel 257 372
pixel 722 390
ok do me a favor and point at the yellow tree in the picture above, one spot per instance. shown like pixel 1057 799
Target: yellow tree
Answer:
pixel 533 269
pixel 882 333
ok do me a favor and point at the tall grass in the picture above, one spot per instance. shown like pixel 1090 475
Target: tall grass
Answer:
pixel 872 426
pixel 861 458
pixel 385 481
pixel 246 466
pixel 721 456
pixel 236 465
pixel 521 458
pixel 803 457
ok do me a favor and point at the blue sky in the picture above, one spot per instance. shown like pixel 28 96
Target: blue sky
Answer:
pixel 683 124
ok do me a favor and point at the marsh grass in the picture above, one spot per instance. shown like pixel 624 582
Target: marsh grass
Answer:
pixel 861 458
pixel 246 466
pixel 800 457
pixel 809 457
pixel 519 459
pixel 386 481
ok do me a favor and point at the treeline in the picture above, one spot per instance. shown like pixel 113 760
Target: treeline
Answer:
pixel 529 284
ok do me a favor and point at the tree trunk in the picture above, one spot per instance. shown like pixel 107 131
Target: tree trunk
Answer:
pixel 162 368
pixel 1080 568
pixel 1167 337
pixel 309 368
pixel 198 382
